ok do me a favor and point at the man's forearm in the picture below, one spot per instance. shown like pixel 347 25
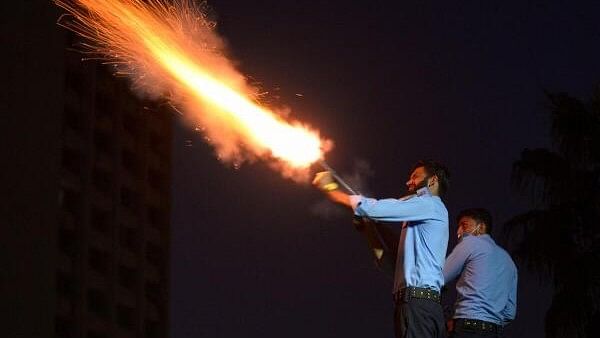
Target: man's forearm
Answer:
pixel 340 198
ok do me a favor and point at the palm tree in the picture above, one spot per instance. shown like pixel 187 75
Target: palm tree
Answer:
pixel 559 238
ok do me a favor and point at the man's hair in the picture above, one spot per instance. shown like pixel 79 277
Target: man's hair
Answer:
pixel 435 168
pixel 480 215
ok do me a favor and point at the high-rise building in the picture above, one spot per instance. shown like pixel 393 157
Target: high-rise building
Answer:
pixel 85 234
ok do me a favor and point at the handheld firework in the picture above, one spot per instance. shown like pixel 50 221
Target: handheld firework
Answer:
pixel 337 177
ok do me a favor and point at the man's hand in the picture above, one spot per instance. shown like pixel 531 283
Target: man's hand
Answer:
pixel 325 181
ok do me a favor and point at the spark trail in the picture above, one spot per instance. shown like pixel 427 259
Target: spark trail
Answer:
pixel 173 51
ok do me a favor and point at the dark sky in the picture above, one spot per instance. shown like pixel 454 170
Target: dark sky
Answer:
pixel 390 82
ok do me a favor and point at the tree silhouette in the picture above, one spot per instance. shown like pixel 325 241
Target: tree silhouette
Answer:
pixel 559 237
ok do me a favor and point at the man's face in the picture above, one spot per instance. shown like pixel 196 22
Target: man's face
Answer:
pixel 467 225
pixel 417 180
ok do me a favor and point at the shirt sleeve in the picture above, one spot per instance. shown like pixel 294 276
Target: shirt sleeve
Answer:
pixel 455 262
pixel 510 311
pixel 393 210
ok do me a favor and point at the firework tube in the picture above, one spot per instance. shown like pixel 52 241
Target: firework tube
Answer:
pixel 337 177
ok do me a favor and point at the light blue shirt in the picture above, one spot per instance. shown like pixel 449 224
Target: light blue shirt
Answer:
pixel 487 286
pixel 423 240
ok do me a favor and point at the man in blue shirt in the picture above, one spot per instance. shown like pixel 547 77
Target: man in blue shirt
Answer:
pixel 487 286
pixel 423 241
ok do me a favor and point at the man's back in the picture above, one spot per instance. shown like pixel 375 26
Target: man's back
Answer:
pixel 487 285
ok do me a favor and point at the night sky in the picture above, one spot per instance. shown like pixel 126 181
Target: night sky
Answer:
pixel 389 83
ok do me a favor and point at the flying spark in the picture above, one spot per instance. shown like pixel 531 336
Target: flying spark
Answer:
pixel 172 50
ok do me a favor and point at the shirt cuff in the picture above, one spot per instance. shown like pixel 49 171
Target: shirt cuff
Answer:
pixel 355 201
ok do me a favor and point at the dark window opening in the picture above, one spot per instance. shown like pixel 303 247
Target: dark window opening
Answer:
pixel 157 218
pixel 71 202
pixel 128 237
pixel 126 317
pixel 103 142
pixel 99 260
pixel 131 162
pixel 154 255
pixel 157 180
pixel 102 179
pixel 64 327
pixel 67 241
pixel 98 303
pixel 65 285
pixel 127 277
pixel 101 221
pixel 72 160
pixel 130 198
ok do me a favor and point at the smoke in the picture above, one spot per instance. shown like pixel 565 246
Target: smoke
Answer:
pixel 361 170
pixel 174 52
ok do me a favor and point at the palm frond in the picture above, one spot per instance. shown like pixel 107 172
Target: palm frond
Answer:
pixel 575 129
pixel 542 175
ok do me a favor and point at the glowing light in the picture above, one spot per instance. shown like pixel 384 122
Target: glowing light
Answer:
pixel 152 40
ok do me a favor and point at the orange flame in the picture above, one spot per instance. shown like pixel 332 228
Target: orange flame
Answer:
pixel 173 50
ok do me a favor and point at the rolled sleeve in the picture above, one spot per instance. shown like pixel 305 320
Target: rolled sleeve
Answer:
pixel 355 200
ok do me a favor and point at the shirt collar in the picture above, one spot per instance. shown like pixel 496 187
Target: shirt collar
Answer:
pixel 424 192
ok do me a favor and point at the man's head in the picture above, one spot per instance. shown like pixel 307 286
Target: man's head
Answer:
pixel 474 221
pixel 431 174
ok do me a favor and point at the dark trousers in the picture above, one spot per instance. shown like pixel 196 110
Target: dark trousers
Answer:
pixel 419 318
pixel 465 332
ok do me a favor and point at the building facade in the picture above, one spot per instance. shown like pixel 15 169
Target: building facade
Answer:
pixel 86 243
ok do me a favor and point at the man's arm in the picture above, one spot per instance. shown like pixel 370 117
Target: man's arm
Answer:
pixel 510 311
pixel 325 182
pixel 394 210
pixel 387 210
pixel 340 197
pixel 455 262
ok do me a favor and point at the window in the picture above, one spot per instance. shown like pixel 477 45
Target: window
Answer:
pixel 130 198
pixel 97 302
pixel 128 237
pixel 127 277
pixel 154 293
pixel 72 160
pixel 131 124
pixel 102 179
pixel 64 327
pixel 130 162
pixel 96 334
pixel 65 285
pixel 101 221
pixel 154 254
pixel 99 260
pixel 68 241
pixel 157 218
pixel 152 329
pixel 157 144
pixel 103 141
pixel 157 180
pixel 126 317
pixel 71 201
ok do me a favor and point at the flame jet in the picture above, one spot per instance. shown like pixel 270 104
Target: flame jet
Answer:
pixel 172 50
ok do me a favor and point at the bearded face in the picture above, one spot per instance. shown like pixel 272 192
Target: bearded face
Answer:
pixel 417 180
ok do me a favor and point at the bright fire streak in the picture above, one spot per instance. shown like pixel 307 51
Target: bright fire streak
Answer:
pixel 137 29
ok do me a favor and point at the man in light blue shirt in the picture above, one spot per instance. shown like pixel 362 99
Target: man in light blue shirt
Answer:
pixel 423 241
pixel 487 285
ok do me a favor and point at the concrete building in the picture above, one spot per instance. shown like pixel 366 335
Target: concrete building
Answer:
pixel 86 176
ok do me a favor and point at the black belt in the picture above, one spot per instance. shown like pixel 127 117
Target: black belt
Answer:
pixel 414 292
pixel 478 325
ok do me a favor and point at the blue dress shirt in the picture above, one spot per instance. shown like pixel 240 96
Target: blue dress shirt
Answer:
pixel 423 240
pixel 487 286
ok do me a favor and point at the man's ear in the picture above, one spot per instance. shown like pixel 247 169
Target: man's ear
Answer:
pixel 432 180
